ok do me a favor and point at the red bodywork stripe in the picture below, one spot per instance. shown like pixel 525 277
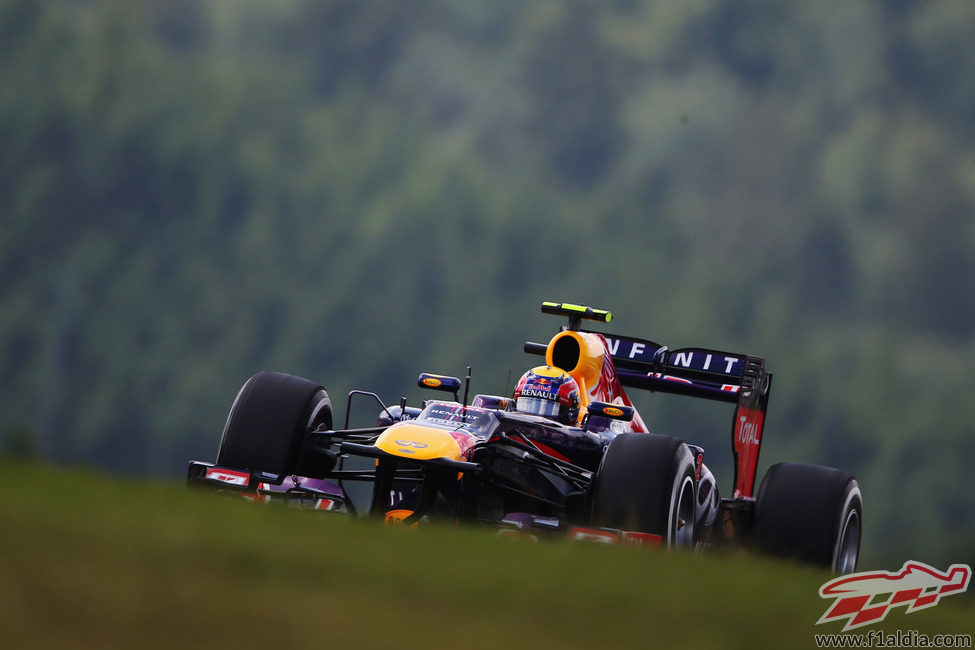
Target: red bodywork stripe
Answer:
pixel 749 424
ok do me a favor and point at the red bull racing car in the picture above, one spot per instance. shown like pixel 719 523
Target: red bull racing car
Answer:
pixel 567 454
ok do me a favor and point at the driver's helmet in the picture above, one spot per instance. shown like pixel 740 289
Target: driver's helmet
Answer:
pixel 549 392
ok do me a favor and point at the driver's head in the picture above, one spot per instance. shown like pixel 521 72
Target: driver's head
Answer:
pixel 549 392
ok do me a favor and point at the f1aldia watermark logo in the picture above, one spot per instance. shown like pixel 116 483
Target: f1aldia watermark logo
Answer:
pixel 866 598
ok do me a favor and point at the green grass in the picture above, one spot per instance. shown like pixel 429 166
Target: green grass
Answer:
pixel 96 562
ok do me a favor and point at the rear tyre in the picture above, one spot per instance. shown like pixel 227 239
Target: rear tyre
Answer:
pixel 645 483
pixel 268 422
pixel 810 513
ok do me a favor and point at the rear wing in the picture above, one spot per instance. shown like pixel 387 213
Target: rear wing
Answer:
pixel 711 374
pixel 739 379
pixel 696 372
pixel 703 373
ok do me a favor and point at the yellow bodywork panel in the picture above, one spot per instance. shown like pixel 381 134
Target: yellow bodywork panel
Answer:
pixel 409 440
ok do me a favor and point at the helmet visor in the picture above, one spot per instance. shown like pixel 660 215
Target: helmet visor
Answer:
pixel 537 406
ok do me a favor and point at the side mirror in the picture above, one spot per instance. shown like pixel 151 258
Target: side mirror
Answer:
pixel 611 411
pixel 439 382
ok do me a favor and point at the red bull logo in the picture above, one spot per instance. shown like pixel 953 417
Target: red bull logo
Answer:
pixel 867 598
pixel 541 394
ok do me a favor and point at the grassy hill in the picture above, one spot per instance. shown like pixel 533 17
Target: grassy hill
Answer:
pixel 96 562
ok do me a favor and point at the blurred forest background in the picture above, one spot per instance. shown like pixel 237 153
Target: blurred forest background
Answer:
pixel 358 191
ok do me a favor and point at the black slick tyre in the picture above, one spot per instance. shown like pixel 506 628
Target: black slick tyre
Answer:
pixel 268 421
pixel 646 483
pixel 810 513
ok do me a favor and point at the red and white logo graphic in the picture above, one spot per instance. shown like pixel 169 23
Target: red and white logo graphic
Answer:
pixel 866 598
pixel 228 476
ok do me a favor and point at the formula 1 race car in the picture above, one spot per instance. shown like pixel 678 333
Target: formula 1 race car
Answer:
pixel 568 454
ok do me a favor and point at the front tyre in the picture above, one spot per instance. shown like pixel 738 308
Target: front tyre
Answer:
pixel 810 513
pixel 646 483
pixel 268 421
